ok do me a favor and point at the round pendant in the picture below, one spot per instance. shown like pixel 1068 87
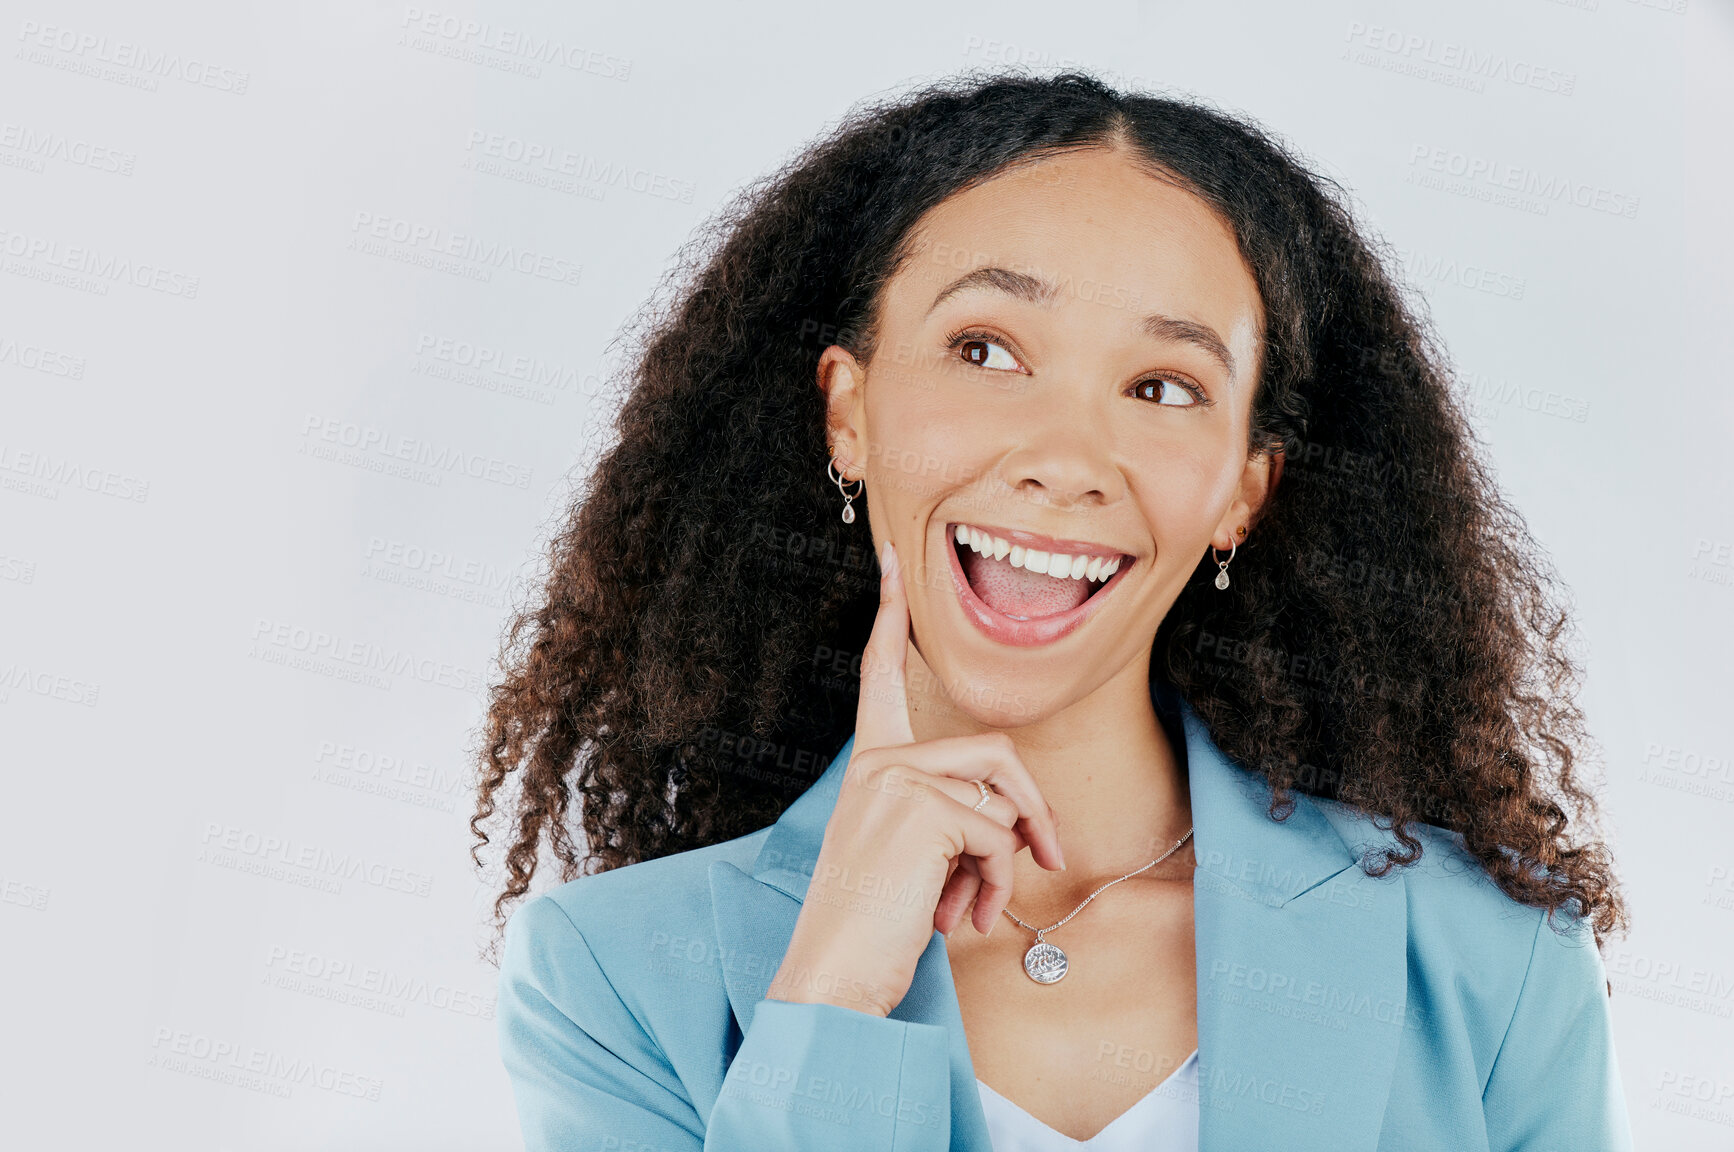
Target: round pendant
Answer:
pixel 1044 963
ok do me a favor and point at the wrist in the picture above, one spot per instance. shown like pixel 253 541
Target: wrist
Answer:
pixel 802 983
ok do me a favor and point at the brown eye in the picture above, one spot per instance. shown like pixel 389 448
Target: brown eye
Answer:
pixel 984 353
pixel 1144 389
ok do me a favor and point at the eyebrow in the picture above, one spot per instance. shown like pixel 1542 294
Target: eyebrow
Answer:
pixel 1042 292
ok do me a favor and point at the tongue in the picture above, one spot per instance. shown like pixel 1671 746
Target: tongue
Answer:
pixel 1018 591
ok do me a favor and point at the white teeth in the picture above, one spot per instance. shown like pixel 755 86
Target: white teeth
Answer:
pixel 1059 564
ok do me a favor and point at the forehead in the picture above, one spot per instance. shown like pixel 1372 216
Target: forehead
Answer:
pixel 1105 228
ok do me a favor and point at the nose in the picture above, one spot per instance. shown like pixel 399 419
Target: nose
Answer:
pixel 1065 463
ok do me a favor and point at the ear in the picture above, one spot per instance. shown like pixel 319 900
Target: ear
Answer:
pixel 842 380
pixel 1257 483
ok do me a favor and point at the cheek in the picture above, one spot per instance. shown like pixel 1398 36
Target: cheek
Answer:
pixel 924 440
pixel 1182 491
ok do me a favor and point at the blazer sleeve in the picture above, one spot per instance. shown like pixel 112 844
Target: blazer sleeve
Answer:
pixel 1555 1082
pixel 587 1077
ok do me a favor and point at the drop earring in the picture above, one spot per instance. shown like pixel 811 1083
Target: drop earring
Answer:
pixel 1222 565
pixel 848 497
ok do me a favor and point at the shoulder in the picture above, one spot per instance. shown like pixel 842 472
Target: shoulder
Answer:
pixel 1506 1006
pixel 613 1009
pixel 634 927
pixel 1454 905
pixel 1470 942
pixel 625 959
pixel 670 894
pixel 669 890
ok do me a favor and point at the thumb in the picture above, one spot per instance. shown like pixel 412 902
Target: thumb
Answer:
pixel 882 714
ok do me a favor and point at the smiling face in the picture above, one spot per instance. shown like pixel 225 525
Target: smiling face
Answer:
pixel 1054 425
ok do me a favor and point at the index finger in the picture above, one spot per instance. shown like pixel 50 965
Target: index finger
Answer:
pixel 882 713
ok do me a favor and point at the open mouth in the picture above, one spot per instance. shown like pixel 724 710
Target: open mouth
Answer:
pixel 1026 583
pixel 1023 588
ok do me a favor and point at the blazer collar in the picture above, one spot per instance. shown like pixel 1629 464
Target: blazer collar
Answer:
pixel 1301 957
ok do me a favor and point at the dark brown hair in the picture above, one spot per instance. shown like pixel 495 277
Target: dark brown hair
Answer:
pixel 1393 639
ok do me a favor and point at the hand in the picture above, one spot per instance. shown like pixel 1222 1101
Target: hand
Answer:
pixel 904 855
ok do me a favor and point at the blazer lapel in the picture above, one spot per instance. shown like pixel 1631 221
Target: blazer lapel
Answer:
pixel 1300 960
pixel 1302 968
pixel 755 915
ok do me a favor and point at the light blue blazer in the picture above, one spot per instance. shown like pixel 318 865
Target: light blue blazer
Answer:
pixel 1336 1012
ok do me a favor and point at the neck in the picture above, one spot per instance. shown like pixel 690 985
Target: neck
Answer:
pixel 1106 765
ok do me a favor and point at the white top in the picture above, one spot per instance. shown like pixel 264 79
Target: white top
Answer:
pixel 1165 1120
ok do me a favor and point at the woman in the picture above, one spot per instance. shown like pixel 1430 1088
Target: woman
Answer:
pixel 1303 825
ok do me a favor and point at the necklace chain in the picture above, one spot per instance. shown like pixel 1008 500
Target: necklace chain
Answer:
pixel 1042 932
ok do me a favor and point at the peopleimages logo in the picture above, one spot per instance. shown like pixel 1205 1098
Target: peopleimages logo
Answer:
pixel 36 358
pixel 48 473
pixel 85 50
pixel 382 450
pixel 413 242
pixel 39 146
pixel 246 850
pixel 1483 178
pixel 442 569
pixel 249 1066
pixel 331 977
pixel 46 258
pixel 1475 277
pixel 581 167
pixel 1449 57
pixel 23 678
pixel 366 661
pixel 512 43
pixel 496 369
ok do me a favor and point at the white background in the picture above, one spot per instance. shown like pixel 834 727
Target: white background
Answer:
pixel 218 855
